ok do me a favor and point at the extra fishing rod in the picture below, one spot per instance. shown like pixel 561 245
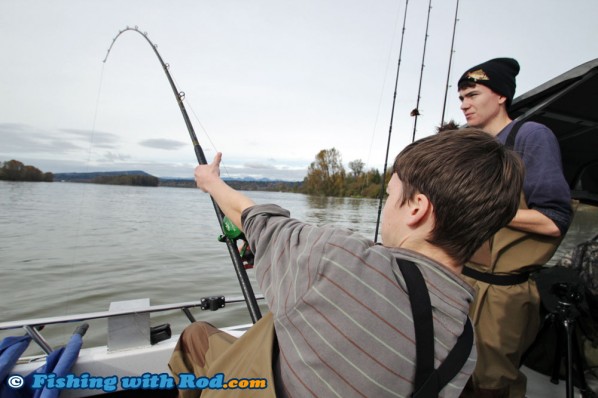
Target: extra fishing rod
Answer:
pixel 392 113
pixel 415 112
pixel 448 75
pixel 252 306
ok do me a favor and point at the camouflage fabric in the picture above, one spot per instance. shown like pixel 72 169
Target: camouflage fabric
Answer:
pixel 574 280
pixel 584 260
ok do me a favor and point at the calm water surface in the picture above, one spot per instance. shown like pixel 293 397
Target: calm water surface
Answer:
pixel 70 248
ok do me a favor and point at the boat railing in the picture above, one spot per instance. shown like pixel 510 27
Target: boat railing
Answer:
pixel 33 326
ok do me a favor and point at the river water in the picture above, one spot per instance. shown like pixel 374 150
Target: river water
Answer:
pixel 68 248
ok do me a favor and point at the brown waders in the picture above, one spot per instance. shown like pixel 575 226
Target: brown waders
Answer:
pixel 506 308
pixel 203 350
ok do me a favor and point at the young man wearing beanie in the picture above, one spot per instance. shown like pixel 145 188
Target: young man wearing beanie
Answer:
pixel 505 312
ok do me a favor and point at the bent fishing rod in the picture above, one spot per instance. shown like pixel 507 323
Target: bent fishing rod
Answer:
pixel 252 306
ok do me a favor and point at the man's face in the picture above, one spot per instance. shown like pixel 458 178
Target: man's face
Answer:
pixel 393 217
pixel 480 105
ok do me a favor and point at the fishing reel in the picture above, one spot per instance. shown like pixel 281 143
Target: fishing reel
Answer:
pixel 235 234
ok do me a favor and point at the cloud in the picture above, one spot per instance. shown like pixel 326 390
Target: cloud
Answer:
pixel 98 139
pixel 111 157
pixel 265 168
pixel 258 165
pixel 22 138
pixel 73 150
pixel 162 143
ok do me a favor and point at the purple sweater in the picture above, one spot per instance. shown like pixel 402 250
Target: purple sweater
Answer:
pixel 545 187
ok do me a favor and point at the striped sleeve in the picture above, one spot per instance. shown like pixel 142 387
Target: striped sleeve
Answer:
pixel 287 253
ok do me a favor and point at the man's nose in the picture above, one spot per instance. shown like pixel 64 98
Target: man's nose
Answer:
pixel 464 104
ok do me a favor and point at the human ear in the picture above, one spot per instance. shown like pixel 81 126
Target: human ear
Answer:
pixel 419 209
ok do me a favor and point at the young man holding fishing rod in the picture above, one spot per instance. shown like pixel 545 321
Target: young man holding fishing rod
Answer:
pixel 506 312
pixel 348 317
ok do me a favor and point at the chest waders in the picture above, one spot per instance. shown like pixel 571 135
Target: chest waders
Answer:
pixel 511 255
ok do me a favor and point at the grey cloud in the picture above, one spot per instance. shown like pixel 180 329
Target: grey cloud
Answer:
pixel 161 143
pixel 261 169
pixel 98 139
pixel 111 157
pixel 271 173
pixel 21 138
pixel 259 166
pixel 51 150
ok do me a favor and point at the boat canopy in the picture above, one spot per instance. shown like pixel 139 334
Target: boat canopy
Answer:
pixel 568 105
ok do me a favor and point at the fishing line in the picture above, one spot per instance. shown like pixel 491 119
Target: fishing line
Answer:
pixel 78 233
pixel 392 112
pixel 205 131
pixel 222 162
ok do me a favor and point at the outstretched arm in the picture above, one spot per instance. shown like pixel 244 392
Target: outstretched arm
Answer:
pixel 530 220
pixel 232 202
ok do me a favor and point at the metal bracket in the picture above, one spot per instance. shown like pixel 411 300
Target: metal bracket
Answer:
pixel 212 303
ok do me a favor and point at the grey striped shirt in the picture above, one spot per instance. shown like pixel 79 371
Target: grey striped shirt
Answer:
pixel 341 312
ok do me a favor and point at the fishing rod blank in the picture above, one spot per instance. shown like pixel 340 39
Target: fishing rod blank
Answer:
pixel 392 113
pixel 448 75
pixel 252 306
pixel 415 112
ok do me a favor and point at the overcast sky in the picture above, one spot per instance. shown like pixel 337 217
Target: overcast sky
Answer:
pixel 268 82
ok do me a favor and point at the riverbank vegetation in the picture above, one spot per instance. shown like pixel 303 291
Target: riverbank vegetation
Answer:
pixel 13 170
pixel 135 180
pixel 326 176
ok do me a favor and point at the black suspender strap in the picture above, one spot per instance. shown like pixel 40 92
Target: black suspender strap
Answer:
pixel 422 320
pixel 496 279
pixel 450 367
pixel 510 142
pixel 429 381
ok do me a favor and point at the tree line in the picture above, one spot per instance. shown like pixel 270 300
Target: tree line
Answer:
pixel 326 176
pixel 135 180
pixel 13 170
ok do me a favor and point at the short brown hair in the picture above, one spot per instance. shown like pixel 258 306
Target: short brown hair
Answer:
pixel 473 182
pixel 466 84
pixel 448 126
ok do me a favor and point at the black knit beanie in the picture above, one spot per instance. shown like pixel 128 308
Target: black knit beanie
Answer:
pixel 497 74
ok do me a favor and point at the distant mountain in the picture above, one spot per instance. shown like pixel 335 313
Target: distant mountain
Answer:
pixel 264 184
pixel 252 179
pixel 243 183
